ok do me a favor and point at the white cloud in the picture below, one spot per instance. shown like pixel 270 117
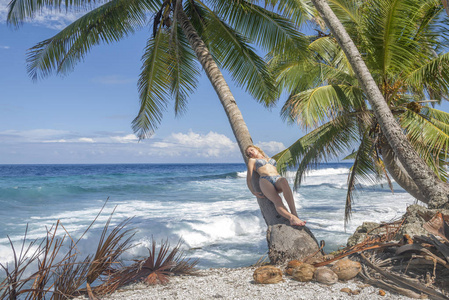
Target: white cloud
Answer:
pixel 129 138
pixel 62 136
pixel 60 146
pixel 271 148
pixel 86 140
pixel 200 145
pixel 4 47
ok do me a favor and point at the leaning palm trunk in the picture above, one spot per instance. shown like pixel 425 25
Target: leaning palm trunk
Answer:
pixel 241 133
pixel 215 76
pixel 431 187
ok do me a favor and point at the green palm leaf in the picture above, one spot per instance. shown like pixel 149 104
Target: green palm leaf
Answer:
pixel 429 140
pixel 268 29
pixel 326 142
pixel 299 11
pixel 233 52
pixel 316 106
pixel 360 173
pixel 184 71
pixel 154 84
pixel 19 10
pixel 107 23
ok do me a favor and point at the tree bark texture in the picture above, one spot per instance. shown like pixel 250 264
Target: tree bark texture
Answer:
pixel 432 188
pixel 239 129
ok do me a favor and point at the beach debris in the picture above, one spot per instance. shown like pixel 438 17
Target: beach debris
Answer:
pixel 325 275
pixel 404 261
pixel 292 265
pixel 382 292
pixel 349 291
pixel 267 275
pixel 346 269
pixel 346 290
pixel 304 272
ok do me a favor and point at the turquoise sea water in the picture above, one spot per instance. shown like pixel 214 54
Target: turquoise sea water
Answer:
pixel 207 205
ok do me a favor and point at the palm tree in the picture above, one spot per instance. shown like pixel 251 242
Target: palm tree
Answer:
pixel 169 71
pixel 428 183
pixel 326 95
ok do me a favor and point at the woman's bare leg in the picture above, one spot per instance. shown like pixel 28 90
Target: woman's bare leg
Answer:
pixel 283 187
pixel 270 192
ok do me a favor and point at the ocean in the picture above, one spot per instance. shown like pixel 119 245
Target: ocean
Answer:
pixel 208 206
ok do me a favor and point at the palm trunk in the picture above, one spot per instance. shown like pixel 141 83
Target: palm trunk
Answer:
pixel 217 80
pixel 243 138
pixel 431 187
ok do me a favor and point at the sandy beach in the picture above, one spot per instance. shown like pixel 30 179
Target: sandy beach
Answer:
pixel 239 284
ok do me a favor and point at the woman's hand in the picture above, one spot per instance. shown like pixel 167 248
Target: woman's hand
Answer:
pixel 258 194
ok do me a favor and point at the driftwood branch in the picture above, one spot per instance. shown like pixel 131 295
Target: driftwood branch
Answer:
pixel 404 283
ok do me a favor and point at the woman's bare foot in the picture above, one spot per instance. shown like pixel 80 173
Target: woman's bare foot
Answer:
pixel 295 221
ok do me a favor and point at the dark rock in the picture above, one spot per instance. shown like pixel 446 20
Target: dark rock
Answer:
pixel 415 217
pixel 288 243
pixel 362 231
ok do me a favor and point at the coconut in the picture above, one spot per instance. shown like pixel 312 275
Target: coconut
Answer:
pixel 325 275
pixel 267 274
pixel 292 265
pixel 304 272
pixel 346 269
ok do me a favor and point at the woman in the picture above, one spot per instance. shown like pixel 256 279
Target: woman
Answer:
pixel 271 184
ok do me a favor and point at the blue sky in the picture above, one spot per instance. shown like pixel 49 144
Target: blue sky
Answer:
pixel 85 116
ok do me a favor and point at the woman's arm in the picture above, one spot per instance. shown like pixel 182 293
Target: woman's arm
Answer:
pixel 249 176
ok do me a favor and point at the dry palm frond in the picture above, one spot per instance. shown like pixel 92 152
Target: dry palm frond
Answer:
pixel 12 285
pixel 70 276
pixel 46 262
pixel 438 226
pixel 156 268
pixel 110 247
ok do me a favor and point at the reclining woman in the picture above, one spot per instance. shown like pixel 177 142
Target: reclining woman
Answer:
pixel 271 184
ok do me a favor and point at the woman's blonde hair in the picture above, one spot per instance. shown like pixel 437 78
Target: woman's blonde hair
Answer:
pixel 255 147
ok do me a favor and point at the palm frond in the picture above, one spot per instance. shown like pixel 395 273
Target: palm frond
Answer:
pixel 312 107
pixel 347 11
pixel 389 36
pixel 233 52
pixel 325 142
pixel 430 141
pixel 434 73
pixel 105 24
pixel 154 84
pixel 362 171
pixel 184 72
pixel 20 10
pixel 299 11
pixel 269 30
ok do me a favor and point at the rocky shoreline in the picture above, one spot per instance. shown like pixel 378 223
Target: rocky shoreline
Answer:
pixel 224 283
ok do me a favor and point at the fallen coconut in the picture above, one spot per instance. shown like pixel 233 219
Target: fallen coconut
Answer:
pixel 346 269
pixel 304 272
pixel 292 265
pixel 267 275
pixel 325 275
